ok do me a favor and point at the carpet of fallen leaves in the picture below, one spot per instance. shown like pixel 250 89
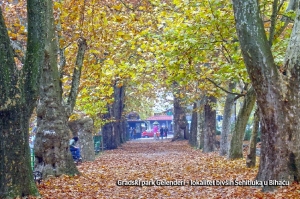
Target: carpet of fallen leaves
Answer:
pixel 156 160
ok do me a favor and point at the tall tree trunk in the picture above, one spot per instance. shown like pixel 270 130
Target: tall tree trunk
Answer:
pixel 278 93
pixel 15 154
pixel 251 157
pixel 226 123
pixel 236 144
pixel 112 131
pixel 210 125
pixel 109 141
pixel 18 94
pixel 193 131
pixel 52 154
pixel 200 122
pixel 179 118
pixel 123 130
pixel 118 108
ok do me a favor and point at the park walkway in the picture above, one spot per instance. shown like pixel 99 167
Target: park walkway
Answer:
pixel 121 173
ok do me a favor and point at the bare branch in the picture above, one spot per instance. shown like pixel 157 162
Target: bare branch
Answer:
pixel 273 21
pixel 82 46
pixel 286 19
pixel 225 90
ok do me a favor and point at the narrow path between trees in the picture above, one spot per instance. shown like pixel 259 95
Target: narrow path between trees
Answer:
pixel 156 163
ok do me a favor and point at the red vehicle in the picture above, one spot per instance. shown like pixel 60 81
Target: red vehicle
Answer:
pixel 147 134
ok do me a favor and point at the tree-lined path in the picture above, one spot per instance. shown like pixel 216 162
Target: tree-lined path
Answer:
pixel 219 67
pixel 156 160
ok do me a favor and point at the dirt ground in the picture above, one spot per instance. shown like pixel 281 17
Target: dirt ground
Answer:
pixel 160 169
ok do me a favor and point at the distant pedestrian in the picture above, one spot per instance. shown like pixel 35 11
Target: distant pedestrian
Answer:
pixel 166 130
pixel 155 128
pixel 161 130
pixel 155 135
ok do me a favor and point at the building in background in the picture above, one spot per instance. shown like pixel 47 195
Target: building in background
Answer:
pixel 134 121
pixel 161 119
pixel 151 123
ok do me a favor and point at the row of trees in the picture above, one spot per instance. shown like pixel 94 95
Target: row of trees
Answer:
pixel 126 48
pixel 46 82
pixel 275 88
pixel 36 84
pixel 19 93
pixel 199 56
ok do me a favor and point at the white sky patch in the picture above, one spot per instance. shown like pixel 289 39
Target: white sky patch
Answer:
pixel 163 102
pixel 49 132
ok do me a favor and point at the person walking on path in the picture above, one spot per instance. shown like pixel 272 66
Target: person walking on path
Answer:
pixel 155 132
pixel 166 130
pixel 161 130
pixel 155 135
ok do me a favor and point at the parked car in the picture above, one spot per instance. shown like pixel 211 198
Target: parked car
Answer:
pixel 147 134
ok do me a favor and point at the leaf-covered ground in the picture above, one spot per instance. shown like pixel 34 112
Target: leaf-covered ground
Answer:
pixel 154 162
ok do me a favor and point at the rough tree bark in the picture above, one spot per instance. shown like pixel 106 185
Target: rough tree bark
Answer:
pixel 52 154
pixel 238 132
pixel 83 128
pixel 179 117
pixel 277 93
pixel 180 122
pixel 251 157
pixel 210 124
pixel 193 132
pixel 112 131
pixel 200 122
pixel 18 95
pixel 123 130
pixel 226 123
